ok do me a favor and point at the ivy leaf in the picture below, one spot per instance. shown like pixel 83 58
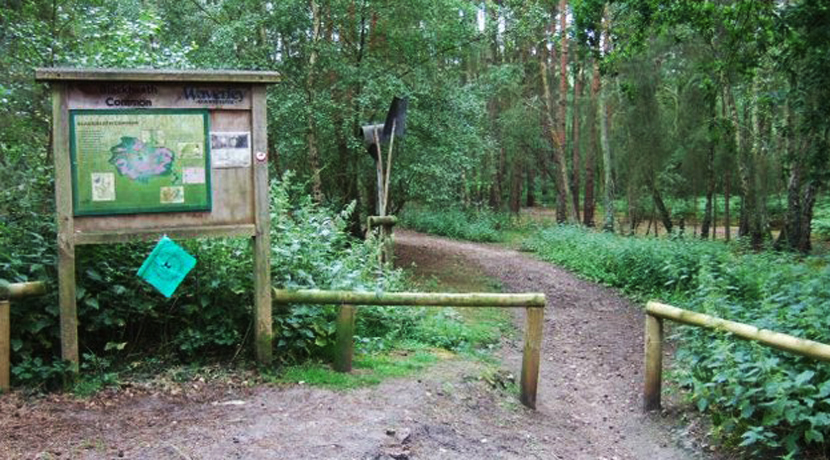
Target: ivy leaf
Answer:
pixel 804 377
pixel 115 346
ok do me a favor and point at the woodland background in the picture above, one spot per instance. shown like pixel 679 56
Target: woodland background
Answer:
pixel 676 111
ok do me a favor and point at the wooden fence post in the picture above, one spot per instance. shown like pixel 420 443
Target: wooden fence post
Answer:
pixel 654 362
pixel 534 323
pixel 5 345
pixel 344 344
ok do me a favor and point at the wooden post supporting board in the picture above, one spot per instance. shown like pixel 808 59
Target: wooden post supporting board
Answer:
pixel 344 345
pixel 5 345
pixel 262 239
pixel 66 227
pixel 653 362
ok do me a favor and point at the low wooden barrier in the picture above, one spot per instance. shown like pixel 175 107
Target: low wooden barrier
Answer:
pixel 657 312
pixel 534 305
pixel 8 292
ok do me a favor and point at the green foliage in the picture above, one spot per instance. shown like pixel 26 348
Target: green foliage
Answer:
pixel 821 220
pixel 759 399
pixel 35 373
pixel 470 225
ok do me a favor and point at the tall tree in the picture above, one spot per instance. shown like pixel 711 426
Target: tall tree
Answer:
pixel 605 115
pixel 311 133
pixel 576 158
pixel 562 141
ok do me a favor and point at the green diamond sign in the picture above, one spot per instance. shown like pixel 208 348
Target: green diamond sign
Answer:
pixel 166 266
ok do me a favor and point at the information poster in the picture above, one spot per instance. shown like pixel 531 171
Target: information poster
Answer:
pixel 140 161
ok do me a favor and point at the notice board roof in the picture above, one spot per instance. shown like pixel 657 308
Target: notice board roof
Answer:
pixel 161 75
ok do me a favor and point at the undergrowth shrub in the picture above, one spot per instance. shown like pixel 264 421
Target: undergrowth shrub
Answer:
pixel 760 400
pixel 821 219
pixel 470 225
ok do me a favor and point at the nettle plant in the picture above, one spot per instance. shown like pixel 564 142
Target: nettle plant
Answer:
pixel 760 400
pixel 312 249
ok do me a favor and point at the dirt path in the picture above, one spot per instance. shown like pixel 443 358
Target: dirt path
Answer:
pixel 588 397
pixel 591 376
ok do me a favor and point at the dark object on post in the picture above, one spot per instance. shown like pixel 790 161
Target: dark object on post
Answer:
pixel 382 133
pixel 372 134
pixel 396 118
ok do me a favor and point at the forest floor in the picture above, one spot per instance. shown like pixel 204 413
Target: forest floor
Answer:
pixel 588 400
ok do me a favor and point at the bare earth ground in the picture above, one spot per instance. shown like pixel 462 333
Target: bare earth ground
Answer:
pixel 589 402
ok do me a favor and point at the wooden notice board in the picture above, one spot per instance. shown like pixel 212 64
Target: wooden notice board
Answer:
pixel 145 153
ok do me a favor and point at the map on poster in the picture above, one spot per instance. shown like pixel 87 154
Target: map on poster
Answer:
pixel 140 161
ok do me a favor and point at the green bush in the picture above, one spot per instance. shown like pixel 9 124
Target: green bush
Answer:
pixel 759 399
pixel 209 316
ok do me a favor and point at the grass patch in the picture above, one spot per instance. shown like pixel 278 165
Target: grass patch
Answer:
pixel 368 369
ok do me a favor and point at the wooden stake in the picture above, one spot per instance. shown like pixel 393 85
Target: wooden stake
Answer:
pixel 653 362
pixel 379 165
pixel 5 345
pixel 344 345
pixel 534 323
pixel 388 170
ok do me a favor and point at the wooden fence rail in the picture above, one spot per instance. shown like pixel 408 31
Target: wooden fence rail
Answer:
pixel 657 312
pixel 8 292
pixel 534 322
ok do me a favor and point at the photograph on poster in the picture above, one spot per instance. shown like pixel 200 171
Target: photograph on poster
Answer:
pixel 230 149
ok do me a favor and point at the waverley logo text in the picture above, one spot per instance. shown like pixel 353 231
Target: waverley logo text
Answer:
pixel 214 95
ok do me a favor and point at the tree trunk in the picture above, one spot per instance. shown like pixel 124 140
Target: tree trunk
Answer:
pixel 558 154
pixel 727 217
pixel 516 175
pixel 801 196
pixel 665 216
pixel 494 59
pixel 575 165
pixel 571 211
pixel 605 114
pixel 313 152
pixel 710 170
pixel 593 144
pixel 752 209
pixel 497 186
pixel 531 181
